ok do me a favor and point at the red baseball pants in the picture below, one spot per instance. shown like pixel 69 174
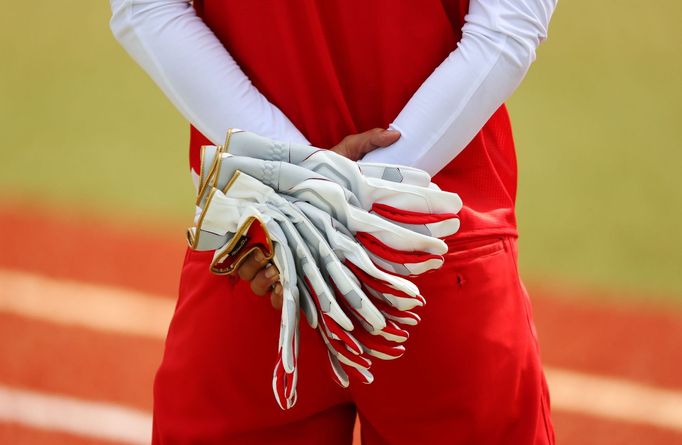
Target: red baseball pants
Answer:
pixel 471 373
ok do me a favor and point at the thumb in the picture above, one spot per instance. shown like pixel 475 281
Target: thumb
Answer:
pixel 355 146
pixel 383 138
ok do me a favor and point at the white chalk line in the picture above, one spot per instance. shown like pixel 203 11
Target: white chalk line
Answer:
pixel 128 312
pixel 615 399
pixel 90 419
pixel 98 307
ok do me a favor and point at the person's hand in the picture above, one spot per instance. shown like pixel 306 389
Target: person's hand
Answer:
pixel 355 146
pixel 264 275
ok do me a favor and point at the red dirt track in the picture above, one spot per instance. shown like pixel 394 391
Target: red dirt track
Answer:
pixel 19 435
pixel 576 333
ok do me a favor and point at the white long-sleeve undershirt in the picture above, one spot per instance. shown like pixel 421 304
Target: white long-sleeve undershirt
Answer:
pixel 188 62
pixel 195 71
pixel 498 44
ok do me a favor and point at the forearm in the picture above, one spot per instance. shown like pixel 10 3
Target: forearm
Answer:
pixel 498 45
pixel 195 71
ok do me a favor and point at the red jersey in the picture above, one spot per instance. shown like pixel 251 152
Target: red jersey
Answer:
pixel 339 67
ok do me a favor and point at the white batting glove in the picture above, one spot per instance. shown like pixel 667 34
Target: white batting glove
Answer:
pixel 328 196
pixel 401 293
pixel 233 230
pixel 379 337
pixel 333 325
pixel 400 194
pixel 332 320
pixel 393 247
pixel 297 226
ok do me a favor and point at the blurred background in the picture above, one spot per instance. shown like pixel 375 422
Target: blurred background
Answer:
pixel 95 196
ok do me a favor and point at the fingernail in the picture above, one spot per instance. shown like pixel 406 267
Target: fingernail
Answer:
pixel 276 297
pixel 259 257
pixel 270 271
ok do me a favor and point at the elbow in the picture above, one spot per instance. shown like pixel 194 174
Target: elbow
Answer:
pixel 523 26
pixel 130 18
pixel 514 34
pixel 519 53
pixel 523 40
pixel 516 50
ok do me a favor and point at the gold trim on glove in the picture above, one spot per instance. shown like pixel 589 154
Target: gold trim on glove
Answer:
pixel 235 245
pixel 230 132
pixel 204 183
pixel 231 181
pixel 193 236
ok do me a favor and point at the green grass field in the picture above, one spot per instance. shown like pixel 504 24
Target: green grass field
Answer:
pixel 600 197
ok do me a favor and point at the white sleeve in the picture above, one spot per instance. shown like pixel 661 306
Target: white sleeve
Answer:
pixel 498 44
pixel 195 71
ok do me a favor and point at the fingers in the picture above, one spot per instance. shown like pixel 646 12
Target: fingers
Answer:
pixel 383 138
pixel 356 146
pixel 264 279
pixel 276 296
pixel 251 265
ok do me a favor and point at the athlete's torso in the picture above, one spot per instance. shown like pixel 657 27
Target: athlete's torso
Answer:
pixel 338 67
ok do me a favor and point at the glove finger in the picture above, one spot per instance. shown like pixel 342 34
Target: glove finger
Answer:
pixel 439 225
pixel 287 331
pixel 279 385
pixel 291 396
pixel 284 261
pixel 393 332
pixel 337 372
pixel 378 346
pixel 346 248
pixel 334 331
pixel 400 317
pixel 361 374
pixel 406 318
pixel 384 288
pixel 363 263
pixel 395 173
pixel 408 198
pixel 386 355
pixel 396 261
pixel 353 298
pixel 398 302
pixel 308 305
pixel 284 386
pixel 339 350
pixel 286 370
pixel 405 269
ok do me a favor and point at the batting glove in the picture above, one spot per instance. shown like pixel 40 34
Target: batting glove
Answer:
pixel 233 229
pixel 394 195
